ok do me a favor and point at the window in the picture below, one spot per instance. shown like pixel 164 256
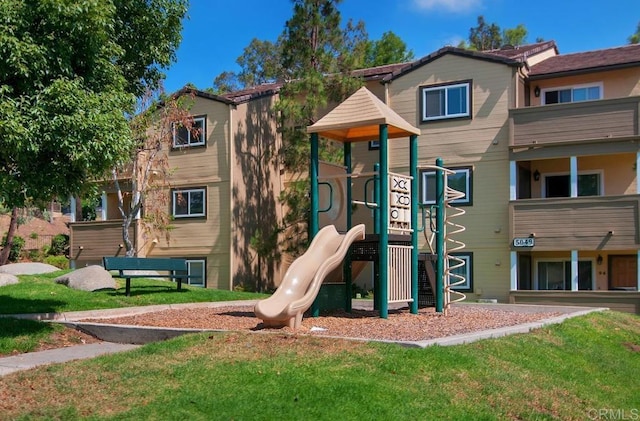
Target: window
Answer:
pixel 197 272
pixel 374 144
pixel 446 101
pixel 188 203
pixel 460 181
pixel 182 137
pixel 559 185
pixel 572 94
pixel 556 275
pixel 465 271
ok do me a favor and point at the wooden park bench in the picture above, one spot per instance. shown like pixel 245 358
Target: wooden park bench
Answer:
pixel 176 268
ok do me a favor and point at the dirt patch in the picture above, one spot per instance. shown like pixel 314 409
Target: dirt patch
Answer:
pixel 632 347
pixel 65 338
pixel 401 325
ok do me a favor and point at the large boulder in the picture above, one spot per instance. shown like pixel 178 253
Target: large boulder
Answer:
pixel 7 279
pixel 90 278
pixel 29 268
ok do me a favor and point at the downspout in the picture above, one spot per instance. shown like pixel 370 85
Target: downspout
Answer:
pixel 232 152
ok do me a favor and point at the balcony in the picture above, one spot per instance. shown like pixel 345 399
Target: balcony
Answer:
pixel 581 223
pixel 574 122
pixel 91 240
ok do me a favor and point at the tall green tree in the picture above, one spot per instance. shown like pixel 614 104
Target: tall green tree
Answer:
pixel 389 49
pixel 635 38
pixel 261 61
pixel 488 36
pixel 515 36
pixel 485 36
pixel 69 76
pixel 319 55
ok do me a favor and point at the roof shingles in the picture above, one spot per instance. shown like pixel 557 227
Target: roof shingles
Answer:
pixel 588 61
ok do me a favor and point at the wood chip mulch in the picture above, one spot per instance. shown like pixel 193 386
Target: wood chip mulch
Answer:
pixel 401 325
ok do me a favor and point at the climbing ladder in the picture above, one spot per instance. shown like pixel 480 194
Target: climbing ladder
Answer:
pixel 450 278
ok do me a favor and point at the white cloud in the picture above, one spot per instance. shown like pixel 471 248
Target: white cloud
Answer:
pixel 456 6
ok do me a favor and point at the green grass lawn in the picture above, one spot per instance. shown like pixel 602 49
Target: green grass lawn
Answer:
pixel 567 371
pixel 39 294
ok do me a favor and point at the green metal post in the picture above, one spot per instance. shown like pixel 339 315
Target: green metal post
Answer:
pixel 347 274
pixel 313 220
pixel 413 159
pixel 384 222
pixel 440 215
pixel 376 198
pixel 376 230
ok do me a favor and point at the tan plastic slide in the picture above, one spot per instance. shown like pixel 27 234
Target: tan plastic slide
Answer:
pixel 301 283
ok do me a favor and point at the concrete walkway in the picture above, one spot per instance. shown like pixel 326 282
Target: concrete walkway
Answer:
pixel 29 360
pixel 118 338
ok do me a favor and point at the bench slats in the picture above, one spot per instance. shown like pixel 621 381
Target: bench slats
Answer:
pixel 140 263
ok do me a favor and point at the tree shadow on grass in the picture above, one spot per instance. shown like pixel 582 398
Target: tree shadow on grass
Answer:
pixel 12 305
pixel 147 289
pixel 11 327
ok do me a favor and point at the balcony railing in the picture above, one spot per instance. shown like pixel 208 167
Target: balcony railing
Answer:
pixel 581 223
pixel 573 122
pixel 91 240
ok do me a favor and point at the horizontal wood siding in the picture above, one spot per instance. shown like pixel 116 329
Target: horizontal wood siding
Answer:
pixel 578 223
pixel 203 236
pixel 205 167
pixel 210 162
pixel 480 142
pixel 628 302
pixel 97 239
pixel 257 183
pixel 580 121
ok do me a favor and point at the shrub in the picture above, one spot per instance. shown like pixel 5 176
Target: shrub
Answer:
pixel 34 255
pixel 16 248
pixel 58 261
pixel 59 245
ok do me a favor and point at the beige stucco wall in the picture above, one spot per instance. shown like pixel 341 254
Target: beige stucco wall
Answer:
pixel 615 83
pixel 618 172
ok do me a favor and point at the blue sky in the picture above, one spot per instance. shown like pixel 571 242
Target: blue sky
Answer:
pixel 217 31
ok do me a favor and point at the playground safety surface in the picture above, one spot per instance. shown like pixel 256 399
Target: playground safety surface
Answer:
pixel 463 323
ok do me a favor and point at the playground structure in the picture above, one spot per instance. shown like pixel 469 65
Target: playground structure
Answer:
pixel 363 117
pixel 301 282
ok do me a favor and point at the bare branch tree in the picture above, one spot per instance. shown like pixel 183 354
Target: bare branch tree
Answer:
pixel 155 129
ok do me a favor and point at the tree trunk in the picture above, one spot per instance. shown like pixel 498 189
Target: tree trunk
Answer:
pixel 128 244
pixel 13 227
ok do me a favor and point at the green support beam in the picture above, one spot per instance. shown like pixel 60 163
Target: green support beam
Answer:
pixel 384 222
pixel 413 162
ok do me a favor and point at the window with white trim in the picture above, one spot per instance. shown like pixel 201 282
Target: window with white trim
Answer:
pixel 189 203
pixel 446 101
pixel 461 181
pixel 555 274
pixel 195 136
pixel 466 271
pixel 559 185
pixel 572 94
pixel 197 272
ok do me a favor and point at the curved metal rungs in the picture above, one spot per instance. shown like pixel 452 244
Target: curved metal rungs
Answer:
pixel 451 246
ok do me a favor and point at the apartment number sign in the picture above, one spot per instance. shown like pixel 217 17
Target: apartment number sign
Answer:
pixel 524 242
pixel 400 200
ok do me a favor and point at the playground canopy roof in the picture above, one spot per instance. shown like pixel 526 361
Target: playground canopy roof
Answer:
pixel 358 119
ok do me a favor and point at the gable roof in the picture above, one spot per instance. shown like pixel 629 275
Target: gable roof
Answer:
pixel 358 118
pixel 480 55
pixel 523 52
pixel 589 61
